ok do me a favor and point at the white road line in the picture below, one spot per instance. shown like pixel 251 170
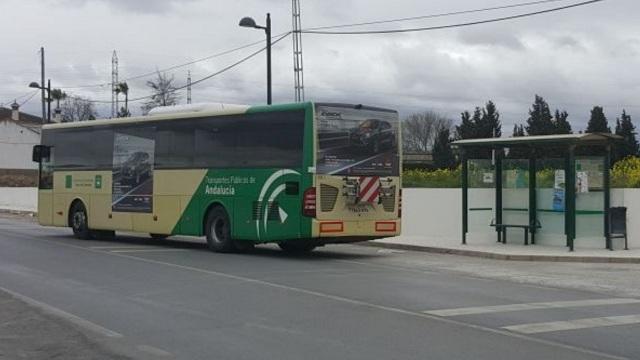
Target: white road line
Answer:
pixel 537 328
pixel 143 250
pixel 153 350
pixel 122 247
pixel 345 300
pixel 529 306
pixel 83 323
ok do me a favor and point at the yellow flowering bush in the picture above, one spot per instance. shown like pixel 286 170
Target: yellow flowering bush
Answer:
pixel 626 173
pixel 440 178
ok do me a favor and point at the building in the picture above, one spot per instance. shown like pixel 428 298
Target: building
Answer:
pixel 18 133
pixel 417 160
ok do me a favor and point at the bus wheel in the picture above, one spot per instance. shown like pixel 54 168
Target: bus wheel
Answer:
pixel 218 230
pixel 79 222
pixel 297 246
pixel 158 236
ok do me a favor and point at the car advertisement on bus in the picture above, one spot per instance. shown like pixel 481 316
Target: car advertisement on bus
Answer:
pixel 357 141
pixel 133 158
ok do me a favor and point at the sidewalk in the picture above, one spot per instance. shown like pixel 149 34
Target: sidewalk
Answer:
pixel 514 251
pixel 28 333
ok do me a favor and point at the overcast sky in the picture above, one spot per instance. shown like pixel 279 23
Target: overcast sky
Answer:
pixel 575 58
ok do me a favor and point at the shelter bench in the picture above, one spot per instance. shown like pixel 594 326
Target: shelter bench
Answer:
pixel 502 230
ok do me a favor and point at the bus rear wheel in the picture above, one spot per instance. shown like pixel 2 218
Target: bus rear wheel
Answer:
pixel 218 230
pixel 80 221
pixel 297 246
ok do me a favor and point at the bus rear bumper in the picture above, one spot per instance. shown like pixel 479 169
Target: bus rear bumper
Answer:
pixel 366 230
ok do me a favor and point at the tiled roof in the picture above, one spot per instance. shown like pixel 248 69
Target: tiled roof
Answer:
pixel 26 120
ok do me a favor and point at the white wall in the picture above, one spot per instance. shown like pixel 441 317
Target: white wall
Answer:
pixel 434 214
pixel 437 214
pixel 16 144
pixel 22 199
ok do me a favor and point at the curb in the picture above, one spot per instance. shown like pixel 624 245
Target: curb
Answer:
pixel 506 257
pixel 18 212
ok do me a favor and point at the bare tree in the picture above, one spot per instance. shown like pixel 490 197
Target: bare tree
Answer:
pixel 419 130
pixel 78 109
pixel 164 93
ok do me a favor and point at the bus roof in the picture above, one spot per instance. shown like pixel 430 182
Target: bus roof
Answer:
pixel 203 111
pixel 187 114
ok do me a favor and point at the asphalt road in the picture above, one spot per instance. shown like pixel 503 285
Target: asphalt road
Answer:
pixel 174 299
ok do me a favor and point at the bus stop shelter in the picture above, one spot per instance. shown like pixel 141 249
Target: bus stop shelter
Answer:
pixel 538 186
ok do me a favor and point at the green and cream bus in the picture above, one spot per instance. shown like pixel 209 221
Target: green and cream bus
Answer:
pixel 300 175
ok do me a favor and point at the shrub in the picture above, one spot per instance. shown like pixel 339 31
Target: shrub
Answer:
pixel 625 174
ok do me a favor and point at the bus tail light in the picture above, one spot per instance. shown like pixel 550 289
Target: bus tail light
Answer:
pixel 400 203
pixel 309 202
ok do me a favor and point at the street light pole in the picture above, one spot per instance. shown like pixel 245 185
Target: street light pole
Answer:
pixel 42 83
pixel 49 101
pixel 268 31
pixel 249 22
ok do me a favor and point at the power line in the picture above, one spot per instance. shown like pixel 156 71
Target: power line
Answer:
pixel 29 98
pixel 30 93
pixel 440 27
pixel 432 16
pixel 173 67
pixel 316 30
pixel 225 69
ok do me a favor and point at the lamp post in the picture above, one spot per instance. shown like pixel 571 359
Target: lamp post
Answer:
pixel 35 85
pixel 250 23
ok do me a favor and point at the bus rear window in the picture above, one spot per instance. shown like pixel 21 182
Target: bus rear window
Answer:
pixel 357 141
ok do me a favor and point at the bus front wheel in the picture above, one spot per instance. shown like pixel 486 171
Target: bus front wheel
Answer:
pixel 218 230
pixel 80 222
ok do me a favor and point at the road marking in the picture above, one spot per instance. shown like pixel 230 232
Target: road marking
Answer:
pixel 143 250
pixel 537 328
pixel 123 247
pixel 337 298
pixel 530 306
pixel 153 350
pixel 83 323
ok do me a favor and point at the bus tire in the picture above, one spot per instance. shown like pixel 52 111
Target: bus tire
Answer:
pixel 299 246
pixel 158 236
pixel 218 230
pixel 79 221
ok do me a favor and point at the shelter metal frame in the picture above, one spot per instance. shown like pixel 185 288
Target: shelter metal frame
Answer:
pixel 535 146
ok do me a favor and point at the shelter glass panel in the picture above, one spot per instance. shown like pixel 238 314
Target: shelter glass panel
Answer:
pixel 515 192
pixel 550 196
pixel 590 197
pixel 481 196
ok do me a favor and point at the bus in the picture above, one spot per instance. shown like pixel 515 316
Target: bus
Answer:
pixel 300 175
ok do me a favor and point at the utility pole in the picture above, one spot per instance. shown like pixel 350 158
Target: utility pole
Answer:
pixel 114 85
pixel 268 31
pixel 44 110
pixel 189 87
pixel 297 51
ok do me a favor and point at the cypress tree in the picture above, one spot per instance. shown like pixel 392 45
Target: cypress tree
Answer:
pixel 466 129
pixel 561 123
pixel 629 146
pixel 489 124
pixel 598 121
pixel 442 154
pixel 540 121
